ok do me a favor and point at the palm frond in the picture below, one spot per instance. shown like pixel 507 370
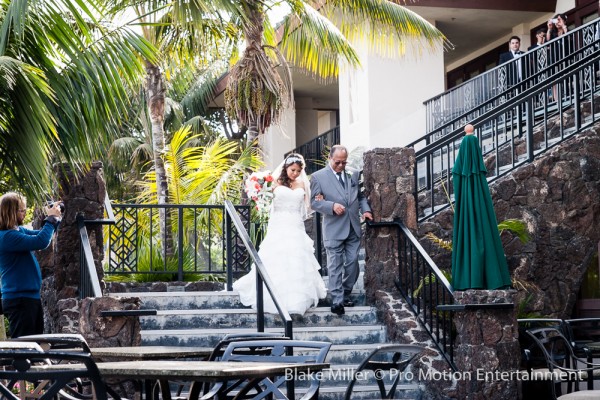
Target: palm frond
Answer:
pixel 444 244
pixel 27 127
pixel 312 42
pixel 385 24
pixel 91 69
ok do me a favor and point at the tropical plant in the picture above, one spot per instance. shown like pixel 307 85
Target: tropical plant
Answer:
pixel 65 79
pixel 197 175
pixel 201 174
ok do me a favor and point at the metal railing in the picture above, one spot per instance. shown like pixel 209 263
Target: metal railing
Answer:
pixel 134 245
pixel 451 109
pixel 515 131
pixel 315 150
pixel 89 283
pixel 234 228
pixel 424 287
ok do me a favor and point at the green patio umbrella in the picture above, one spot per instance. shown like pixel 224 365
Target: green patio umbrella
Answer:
pixel 478 260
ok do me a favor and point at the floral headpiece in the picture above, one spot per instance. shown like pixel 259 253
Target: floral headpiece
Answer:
pixel 293 159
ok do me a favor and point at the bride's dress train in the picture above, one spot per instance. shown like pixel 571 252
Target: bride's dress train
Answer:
pixel 288 256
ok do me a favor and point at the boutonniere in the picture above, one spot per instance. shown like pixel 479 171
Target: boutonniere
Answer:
pixel 349 178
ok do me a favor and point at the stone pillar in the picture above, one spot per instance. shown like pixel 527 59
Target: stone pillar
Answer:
pixel 389 185
pixel 82 194
pixel 488 346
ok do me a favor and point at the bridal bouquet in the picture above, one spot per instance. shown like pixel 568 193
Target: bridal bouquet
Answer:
pixel 259 188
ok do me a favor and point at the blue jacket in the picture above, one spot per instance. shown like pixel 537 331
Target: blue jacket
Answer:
pixel 19 269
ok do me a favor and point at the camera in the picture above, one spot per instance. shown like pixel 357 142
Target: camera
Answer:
pixel 554 20
pixel 59 204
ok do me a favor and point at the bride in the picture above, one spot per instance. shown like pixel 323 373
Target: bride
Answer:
pixel 286 251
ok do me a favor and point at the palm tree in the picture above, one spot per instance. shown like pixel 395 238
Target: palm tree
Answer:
pixel 256 93
pixel 313 36
pixel 65 75
pixel 182 31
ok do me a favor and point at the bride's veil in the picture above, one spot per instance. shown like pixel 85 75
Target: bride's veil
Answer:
pixel 306 211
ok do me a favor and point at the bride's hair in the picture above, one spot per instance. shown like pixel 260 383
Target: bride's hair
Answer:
pixel 292 158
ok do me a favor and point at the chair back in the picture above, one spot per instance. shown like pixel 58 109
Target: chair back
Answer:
pixel 531 356
pixel 48 374
pixel 58 341
pixel 208 389
pixel 560 359
pixel 584 335
pixel 387 363
pixel 283 351
pixel 219 349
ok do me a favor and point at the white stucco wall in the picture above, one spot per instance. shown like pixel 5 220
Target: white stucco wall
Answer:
pixel 565 5
pixel 278 140
pixel 307 120
pixel 326 120
pixel 381 104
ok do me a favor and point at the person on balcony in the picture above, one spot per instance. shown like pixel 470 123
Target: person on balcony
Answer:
pixel 514 71
pixel 287 252
pixel 540 36
pixel 19 269
pixel 338 198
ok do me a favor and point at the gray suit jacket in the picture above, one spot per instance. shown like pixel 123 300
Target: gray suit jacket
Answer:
pixel 337 227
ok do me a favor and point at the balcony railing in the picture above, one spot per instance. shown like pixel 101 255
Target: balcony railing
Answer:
pixel 315 151
pixel 450 110
pixel 515 126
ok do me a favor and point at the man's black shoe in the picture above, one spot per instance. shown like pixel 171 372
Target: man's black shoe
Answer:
pixel 348 303
pixel 337 309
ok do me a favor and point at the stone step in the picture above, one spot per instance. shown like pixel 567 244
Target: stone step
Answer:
pixel 361 334
pixel 366 392
pixel 186 300
pixel 246 318
pixel 211 300
pixel 350 353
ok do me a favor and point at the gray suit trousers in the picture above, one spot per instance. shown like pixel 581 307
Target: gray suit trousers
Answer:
pixel 342 266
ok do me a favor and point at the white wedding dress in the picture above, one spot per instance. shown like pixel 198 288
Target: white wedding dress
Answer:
pixel 287 253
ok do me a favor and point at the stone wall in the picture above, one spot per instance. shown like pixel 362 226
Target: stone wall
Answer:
pixel 389 186
pixel 558 196
pixel 487 349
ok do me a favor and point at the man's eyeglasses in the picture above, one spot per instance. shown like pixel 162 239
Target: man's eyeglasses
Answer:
pixel 340 162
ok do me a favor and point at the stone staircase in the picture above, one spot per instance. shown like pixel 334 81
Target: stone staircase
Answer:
pixel 203 318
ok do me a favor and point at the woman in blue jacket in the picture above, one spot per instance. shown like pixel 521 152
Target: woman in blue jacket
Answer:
pixel 19 270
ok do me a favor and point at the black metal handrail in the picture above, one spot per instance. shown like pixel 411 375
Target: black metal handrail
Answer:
pixel 89 283
pixel 233 222
pixel 447 111
pixel 314 150
pixel 516 131
pixel 424 287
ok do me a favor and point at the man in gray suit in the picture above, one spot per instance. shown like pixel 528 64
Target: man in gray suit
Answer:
pixel 336 195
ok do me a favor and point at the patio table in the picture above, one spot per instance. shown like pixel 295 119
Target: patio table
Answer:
pixel 200 371
pixel 131 353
